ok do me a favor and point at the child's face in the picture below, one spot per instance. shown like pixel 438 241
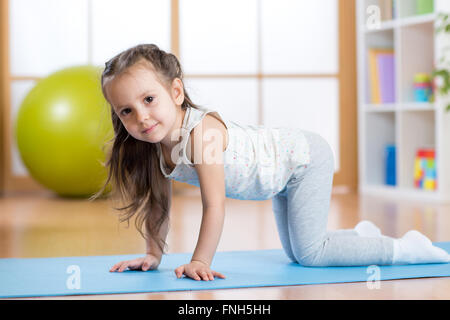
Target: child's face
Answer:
pixel 141 102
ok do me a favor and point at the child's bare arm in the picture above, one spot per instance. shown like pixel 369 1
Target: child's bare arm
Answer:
pixel 212 186
pixel 212 189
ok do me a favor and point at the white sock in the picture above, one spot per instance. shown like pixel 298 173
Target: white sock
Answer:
pixel 415 248
pixel 367 229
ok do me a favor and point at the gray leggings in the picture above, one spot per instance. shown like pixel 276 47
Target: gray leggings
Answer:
pixel 301 213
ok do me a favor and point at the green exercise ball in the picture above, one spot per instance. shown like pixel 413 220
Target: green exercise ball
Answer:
pixel 61 128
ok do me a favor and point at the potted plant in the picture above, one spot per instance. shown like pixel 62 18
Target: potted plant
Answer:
pixel 441 74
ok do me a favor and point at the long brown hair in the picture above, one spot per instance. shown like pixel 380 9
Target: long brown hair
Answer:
pixel 133 165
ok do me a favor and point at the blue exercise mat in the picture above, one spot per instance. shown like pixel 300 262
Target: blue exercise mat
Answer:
pixel 33 277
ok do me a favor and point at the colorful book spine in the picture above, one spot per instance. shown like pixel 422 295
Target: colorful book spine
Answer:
pixel 386 9
pixel 373 76
pixel 386 76
pixel 425 6
pixel 394 9
pixel 390 165
pixel 382 75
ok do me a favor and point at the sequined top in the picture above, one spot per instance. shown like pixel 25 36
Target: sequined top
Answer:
pixel 258 161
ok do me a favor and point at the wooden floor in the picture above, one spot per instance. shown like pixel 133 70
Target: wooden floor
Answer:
pixel 42 225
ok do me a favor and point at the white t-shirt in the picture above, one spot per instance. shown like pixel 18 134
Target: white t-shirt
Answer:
pixel 258 160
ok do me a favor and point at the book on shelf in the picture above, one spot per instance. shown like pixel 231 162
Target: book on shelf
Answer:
pixel 394 10
pixel 382 75
pixel 386 9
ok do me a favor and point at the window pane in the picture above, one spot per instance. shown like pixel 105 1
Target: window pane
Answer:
pixel 218 36
pixel 234 99
pixel 119 25
pixel 47 35
pixel 19 90
pixel 309 104
pixel 299 36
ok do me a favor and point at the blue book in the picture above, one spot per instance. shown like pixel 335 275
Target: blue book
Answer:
pixel 390 173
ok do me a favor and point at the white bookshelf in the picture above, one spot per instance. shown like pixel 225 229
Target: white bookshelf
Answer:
pixel 407 124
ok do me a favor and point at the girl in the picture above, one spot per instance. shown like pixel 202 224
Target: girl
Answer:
pixel 160 134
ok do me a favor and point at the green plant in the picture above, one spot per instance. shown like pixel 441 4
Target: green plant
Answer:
pixel 441 75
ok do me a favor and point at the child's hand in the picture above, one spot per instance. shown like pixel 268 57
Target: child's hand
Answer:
pixel 149 262
pixel 198 271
